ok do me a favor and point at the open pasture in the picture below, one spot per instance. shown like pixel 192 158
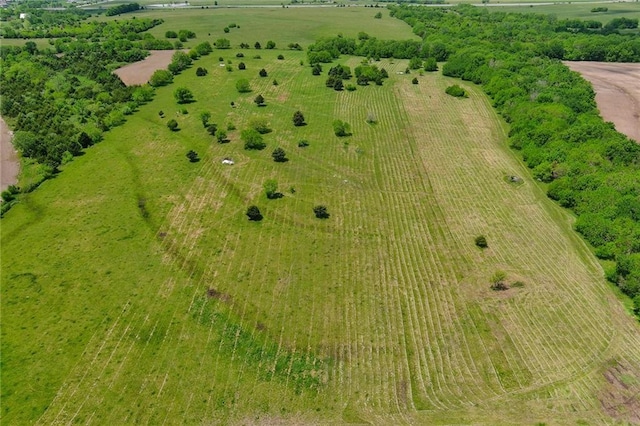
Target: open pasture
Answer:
pixel 577 10
pixel 293 25
pixel 136 291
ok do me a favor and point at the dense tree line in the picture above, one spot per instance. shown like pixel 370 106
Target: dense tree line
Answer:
pixel 72 23
pixel 590 168
pixel 61 100
pixel 122 8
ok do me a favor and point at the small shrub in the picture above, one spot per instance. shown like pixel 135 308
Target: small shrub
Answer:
pixel 193 156
pixel 350 87
pixel 279 156
pixel 303 143
pixel 253 212
pixel 341 128
pixel 517 284
pixel 481 241
pixel 239 55
pixel 371 118
pixel 456 91
pixel 231 127
pixel 271 189
pixel 242 86
pixel 321 212
pixel 212 128
pixel 172 125
pixel 252 140
pixel 274 82
pixel 205 116
pixel 263 73
pixel 298 119
pixel 259 100
pixel 415 80
pixel 498 281
pixel 260 125
pixel 281 57
pixel 242 66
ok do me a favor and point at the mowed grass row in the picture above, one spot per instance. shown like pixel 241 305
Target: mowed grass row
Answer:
pixel 380 313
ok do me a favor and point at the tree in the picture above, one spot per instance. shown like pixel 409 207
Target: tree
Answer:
pixel 193 156
pixel 160 78
pixel 259 100
pixel 415 80
pixel 316 69
pixel 201 72
pixel 481 241
pixel 172 125
pixel 212 128
pixel 205 116
pixel 253 212
pixel 338 85
pixel 298 119
pixel 222 43
pixel 257 45
pixel 270 44
pixel 221 135
pixel 242 86
pixel 203 48
pixel 431 65
pixel 242 66
pixel 456 91
pixel 279 156
pixel 252 139
pixel 179 61
pixel 341 128
pixel 260 125
pixel 183 95
pixel 378 15
pixel 321 212
pixel 263 72
pixel 171 34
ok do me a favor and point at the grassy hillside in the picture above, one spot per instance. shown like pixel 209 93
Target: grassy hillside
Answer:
pixel 136 291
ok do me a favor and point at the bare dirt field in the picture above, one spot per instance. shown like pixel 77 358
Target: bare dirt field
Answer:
pixel 8 157
pixel 140 72
pixel 617 87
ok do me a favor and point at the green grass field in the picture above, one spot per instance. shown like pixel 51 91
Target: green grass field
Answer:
pixel 135 290
pixel 578 10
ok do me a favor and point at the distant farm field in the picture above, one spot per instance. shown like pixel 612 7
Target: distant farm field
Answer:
pixel 135 290
pixel 292 25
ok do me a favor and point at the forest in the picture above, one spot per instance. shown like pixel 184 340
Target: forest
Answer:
pixel 61 99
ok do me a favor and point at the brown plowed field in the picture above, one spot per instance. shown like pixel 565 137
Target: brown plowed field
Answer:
pixel 617 87
pixel 140 72
pixel 8 157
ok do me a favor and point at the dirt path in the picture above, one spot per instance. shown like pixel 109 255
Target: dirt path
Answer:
pixel 617 87
pixel 9 161
pixel 140 72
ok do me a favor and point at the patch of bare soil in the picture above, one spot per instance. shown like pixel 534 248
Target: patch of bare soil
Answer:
pixel 140 72
pixel 10 164
pixel 617 87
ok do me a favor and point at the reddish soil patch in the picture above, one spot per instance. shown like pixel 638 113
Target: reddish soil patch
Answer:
pixel 617 87
pixel 140 72
pixel 10 164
